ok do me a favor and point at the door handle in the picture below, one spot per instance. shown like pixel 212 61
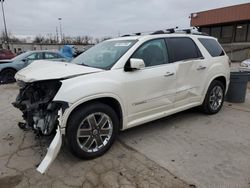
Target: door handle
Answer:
pixel 168 74
pixel 201 68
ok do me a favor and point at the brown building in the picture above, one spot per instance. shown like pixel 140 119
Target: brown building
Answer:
pixel 231 25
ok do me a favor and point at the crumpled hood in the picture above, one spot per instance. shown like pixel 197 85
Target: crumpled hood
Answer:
pixel 48 70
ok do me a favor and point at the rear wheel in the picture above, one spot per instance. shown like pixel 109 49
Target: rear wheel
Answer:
pixel 214 98
pixel 91 130
pixel 7 76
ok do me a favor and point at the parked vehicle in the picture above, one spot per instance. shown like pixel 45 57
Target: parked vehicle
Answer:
pixel 8 68
pixel 245 64
pixel 6 54
pixel 118 84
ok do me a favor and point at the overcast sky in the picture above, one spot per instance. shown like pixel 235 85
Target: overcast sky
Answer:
pixel 102 17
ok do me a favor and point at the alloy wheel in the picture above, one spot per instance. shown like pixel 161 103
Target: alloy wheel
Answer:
pixel 94 132
pixel 216 98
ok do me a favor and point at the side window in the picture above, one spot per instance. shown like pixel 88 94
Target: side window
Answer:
pixel 212 47
pixel 35 56
pixel 182 48
pixel 153 53
pixel 49 55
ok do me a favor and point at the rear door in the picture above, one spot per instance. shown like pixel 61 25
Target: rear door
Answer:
pixel 191 69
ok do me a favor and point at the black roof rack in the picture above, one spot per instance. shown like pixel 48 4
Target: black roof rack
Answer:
pixel 169 31
pixel 126 35
pixel 158 32
pixel 188 31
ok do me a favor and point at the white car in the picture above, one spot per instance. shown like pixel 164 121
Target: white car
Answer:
pixel 245 64
pixel 119 84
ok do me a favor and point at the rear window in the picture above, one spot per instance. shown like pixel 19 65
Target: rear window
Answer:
pixel 182 48
pixel 212 47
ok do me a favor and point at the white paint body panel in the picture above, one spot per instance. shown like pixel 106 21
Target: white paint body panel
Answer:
pixel 53 151
pixel 144 95
pixel 47 70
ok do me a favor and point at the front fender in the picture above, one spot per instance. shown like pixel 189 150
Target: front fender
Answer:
pixel 74 105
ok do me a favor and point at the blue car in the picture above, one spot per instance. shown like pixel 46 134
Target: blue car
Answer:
pixel 8 68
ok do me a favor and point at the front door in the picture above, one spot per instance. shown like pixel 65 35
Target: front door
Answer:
pixel 151 90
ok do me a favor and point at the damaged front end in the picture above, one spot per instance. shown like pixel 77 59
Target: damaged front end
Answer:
pixel 35 101
pixel 41 113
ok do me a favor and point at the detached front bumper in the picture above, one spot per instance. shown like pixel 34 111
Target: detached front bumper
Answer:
pixel 54 147
pixel 52 152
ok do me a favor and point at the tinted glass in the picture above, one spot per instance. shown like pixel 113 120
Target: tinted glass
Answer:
pixel 215 32
pixel 153 53
pixel 226 34
pixel 212 47
pixel 182 48
pixel 248 34
pixel 49 55
pixel 35 56
pixel 205 30
pixel 241 33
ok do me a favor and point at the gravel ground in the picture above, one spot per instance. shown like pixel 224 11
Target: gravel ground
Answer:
pixel 21 152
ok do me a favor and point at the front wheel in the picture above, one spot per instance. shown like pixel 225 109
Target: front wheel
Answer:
pixel 214 98
pixel 91 130
pixel 7 76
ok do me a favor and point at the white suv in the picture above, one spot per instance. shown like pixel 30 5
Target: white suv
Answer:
pixel 118 84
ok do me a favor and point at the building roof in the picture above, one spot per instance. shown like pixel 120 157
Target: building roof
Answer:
pixel 221 15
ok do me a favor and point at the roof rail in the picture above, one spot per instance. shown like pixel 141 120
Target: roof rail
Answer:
pixel 125 35
pixel 171 30
pixel 168 31
pixel 158 32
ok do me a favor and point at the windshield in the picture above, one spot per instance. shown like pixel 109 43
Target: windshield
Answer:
pixel 21 56
pixel 105 54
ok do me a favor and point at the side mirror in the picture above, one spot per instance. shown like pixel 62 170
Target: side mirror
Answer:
pixel 136 64
pixel 26 60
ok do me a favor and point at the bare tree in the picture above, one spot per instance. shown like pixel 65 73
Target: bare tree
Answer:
pixel 87 40
pixel 38 39
pixel 12 38
pixel 105 38
pixel 96 40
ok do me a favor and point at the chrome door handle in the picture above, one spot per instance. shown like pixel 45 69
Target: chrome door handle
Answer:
pixel 201 68
pixel 168 74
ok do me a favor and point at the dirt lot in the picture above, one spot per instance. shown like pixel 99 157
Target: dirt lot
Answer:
pixel 188 149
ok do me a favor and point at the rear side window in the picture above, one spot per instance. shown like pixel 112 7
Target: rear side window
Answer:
pixel 49 55
pixel 182 48
pixel 212 47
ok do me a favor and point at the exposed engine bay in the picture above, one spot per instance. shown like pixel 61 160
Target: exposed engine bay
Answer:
pixel 40 113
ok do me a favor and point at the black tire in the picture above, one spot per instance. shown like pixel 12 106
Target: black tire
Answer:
pixel 206 106
pixel 75 122
pixel 7 76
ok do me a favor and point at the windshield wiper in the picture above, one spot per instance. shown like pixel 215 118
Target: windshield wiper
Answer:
pixel 85 64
